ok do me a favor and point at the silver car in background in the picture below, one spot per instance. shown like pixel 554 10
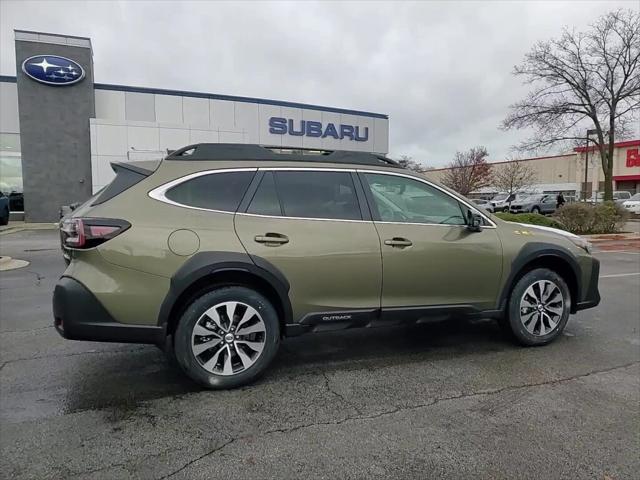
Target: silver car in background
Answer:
pixel 535 203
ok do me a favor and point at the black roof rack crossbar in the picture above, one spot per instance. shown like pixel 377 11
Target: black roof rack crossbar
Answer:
pixel 236 151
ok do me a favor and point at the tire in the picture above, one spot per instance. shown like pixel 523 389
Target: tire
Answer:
pixel 555 310
pixel 4 219
pixel 505 209
pixel 239 357
pixel 535 210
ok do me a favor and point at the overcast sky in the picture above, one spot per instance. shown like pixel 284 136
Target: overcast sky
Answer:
pixel 440 70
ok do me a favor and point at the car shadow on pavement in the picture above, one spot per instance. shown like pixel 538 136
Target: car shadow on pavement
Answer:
pixel 119 381
pixel 392 345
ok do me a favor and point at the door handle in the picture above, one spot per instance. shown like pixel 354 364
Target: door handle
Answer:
pixel 274 239
pixel 398 242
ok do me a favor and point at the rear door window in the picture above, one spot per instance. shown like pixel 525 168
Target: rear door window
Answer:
pixel 215 191
pixel 265 201
pixel 318 194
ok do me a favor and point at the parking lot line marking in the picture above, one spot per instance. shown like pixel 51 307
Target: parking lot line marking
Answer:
pixel 618 251
pixel 613 275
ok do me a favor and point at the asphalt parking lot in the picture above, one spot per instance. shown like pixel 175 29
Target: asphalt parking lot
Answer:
pixel 445 400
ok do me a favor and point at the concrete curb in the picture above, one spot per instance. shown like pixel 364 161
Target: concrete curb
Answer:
pixel 610 237
pixel 8 263
pixel 15 227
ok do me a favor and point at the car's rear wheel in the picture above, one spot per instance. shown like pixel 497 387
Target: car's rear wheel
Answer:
pixel 227 337
pixel 539 307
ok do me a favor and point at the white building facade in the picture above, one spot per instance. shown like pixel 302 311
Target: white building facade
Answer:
pixel 99 124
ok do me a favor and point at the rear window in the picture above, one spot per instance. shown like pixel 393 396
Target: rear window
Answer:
pixel 216 191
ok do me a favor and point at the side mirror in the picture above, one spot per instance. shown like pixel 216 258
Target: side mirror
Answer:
pixel 474 222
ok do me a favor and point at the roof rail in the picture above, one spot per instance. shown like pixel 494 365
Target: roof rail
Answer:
pixel 237 151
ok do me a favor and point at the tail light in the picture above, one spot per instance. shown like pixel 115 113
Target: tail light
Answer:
pixel 82 233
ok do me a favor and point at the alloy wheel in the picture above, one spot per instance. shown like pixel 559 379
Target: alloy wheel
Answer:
pixel 228 338
pixel 541 307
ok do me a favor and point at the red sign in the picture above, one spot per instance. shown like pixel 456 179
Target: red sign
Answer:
pixel 633 157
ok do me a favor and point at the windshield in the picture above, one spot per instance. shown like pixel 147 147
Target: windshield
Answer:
pixel 500 197
pixel 636 197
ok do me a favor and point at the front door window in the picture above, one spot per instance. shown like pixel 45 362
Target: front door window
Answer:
pixel 401 199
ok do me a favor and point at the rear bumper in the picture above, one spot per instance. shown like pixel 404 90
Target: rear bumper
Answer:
pixel 591 297
pixel 78 315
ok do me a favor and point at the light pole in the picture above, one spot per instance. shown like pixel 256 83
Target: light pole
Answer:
pixel 590 132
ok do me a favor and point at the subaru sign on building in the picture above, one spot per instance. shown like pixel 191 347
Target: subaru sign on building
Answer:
pixel 309 128
pixel 60 130
pixel 53 70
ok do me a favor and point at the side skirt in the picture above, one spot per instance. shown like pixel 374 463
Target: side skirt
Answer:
pixel 369 318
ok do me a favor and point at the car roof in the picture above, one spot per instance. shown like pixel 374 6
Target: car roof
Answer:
pixel 261 153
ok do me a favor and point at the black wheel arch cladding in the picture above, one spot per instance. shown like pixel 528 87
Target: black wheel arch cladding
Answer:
pixel 535 252
pixel 205 264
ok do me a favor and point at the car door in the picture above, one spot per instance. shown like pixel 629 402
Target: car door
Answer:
pixel 429 257
pixel 548 204
pixel 309 224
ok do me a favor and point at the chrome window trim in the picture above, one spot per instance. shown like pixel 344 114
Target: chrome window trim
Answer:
pixel 424 180
pixel 313 169
pixel 303 218
pixel 159 193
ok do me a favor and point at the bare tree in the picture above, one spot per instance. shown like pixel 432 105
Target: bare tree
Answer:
pixel 513 176
pixel 468 171
pixel 582 80
pixel 408 162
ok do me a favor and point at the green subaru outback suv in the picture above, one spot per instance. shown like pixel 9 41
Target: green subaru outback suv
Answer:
pixel 220 251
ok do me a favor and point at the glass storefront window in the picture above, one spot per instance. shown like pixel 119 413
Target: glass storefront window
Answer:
pixel 11 170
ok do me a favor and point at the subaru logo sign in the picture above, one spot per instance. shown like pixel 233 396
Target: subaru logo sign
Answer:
pixel 53 70
pixel 309 128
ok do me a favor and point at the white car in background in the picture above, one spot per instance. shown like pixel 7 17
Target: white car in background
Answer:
pixel 502 201
pixel 633 204
pixel 619 197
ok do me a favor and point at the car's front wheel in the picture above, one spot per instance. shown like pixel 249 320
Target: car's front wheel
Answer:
pixel 227 337
pixel 539 307
pixel 535 210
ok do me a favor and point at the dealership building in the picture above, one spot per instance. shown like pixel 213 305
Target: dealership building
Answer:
pixel 60 130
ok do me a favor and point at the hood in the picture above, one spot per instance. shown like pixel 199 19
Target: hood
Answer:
pixel 556 231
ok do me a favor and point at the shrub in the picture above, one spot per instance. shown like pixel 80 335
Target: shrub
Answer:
pixel 531 219
pixel 584 218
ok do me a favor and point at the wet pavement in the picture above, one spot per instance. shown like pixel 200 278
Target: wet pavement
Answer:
pixel 444 400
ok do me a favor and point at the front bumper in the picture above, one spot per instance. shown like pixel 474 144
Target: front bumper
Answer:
pixel 78 315
pixel 591 295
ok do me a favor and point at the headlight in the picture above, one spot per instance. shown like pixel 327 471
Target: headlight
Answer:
pixel 582 243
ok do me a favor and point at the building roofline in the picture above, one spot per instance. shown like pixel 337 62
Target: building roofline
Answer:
pixel 627 143
pixel 506 161
pixel 233 98
pixel 216 96
pixel 61 35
